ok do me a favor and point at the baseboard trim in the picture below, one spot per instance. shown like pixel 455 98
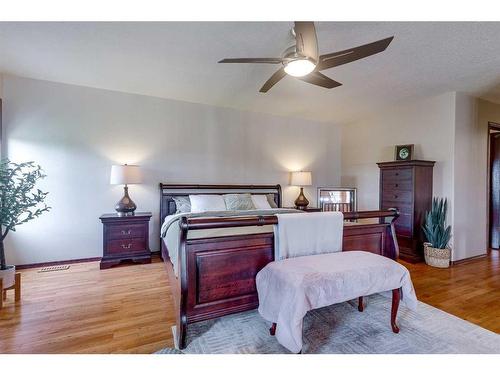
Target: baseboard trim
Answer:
pixel 56 263
pixel 69 261
pixel 465 260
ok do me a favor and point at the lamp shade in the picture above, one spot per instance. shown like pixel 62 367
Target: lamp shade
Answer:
pixel 301 179
pixel 125 174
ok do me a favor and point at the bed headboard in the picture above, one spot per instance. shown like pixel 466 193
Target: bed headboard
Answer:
pixel 167 191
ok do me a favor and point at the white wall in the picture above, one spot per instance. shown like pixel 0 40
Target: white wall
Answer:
pixel 469 178
pixel 77 133
pixel 451 129
pixel 1 127
pixel 428 124
pixel 470 219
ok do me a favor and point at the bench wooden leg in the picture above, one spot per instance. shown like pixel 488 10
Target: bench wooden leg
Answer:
pixel 1 292
pixel 360 304
pixel 396 295
pixel 272 330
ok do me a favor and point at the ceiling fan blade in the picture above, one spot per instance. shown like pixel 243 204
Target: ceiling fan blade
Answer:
pixel 263 60
pixel 318 79
pixel 349 55
pixel 306 40
pixel 275 78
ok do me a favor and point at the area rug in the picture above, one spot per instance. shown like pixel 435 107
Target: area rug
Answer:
pixel 342 329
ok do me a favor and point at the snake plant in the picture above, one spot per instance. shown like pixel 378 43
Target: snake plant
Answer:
pixel 435 229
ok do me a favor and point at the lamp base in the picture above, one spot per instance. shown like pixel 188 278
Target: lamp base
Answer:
pixel 125 206
pixel 301 202
pixel 125 213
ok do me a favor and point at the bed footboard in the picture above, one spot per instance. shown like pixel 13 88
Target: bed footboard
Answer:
pixel 217 275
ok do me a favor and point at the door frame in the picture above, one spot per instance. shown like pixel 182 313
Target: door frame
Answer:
pixel 494 126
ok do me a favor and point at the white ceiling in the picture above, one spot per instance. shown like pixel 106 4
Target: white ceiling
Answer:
pixel 179 61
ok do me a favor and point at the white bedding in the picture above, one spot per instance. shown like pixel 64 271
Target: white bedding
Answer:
pixel 314 233
pixel 207 202
pixel 289 288
pixel 170 229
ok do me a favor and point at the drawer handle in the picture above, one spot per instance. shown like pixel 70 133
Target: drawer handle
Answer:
pixel 396 185
pixel 127 246
pixel 395 196
pixel 127 232
pixel 397 174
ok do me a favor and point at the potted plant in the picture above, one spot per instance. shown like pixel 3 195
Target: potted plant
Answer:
pixel 19 203
pixel 436 250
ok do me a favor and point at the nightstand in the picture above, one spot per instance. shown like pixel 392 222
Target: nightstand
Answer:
pixel 308 209
pixel 125 238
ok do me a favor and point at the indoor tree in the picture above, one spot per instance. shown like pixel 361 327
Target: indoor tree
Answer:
pixel 20 202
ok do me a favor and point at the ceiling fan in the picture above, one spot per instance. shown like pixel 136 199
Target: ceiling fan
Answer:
pixel 304 62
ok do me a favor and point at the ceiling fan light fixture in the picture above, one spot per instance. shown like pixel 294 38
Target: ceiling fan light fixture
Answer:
pixel 299 67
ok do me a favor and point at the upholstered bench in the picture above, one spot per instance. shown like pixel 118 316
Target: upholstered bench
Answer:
pixel 289 288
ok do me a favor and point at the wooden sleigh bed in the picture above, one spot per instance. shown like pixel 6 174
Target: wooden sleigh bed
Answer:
pixel 216 275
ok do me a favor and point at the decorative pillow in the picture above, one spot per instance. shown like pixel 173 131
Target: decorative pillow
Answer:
pixel 260 201
pixel 235 202
pixel 202 203
pixel 270 199
pixel 182 204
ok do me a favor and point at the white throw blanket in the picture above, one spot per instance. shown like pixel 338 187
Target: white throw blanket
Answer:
pixel 289 288
pixel 315 233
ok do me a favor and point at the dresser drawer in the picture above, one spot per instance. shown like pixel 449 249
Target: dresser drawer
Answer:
pixel 404 225
pixel 123 231
pixel 397 185
pixel 397 174
pixel 125 246
pixel 403 208
pixel 397 196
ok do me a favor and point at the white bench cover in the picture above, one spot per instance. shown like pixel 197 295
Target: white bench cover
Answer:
pixel 289 288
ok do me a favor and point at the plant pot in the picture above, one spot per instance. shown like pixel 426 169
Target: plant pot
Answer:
pixel 8 276
pixel 436 257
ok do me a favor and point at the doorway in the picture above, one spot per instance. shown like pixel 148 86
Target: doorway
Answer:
pixel 494 185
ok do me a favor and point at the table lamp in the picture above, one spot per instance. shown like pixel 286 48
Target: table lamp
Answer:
pixel 301 179
pixel 125 175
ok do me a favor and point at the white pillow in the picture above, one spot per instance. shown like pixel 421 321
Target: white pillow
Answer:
pixel 202 203
pixel 260 202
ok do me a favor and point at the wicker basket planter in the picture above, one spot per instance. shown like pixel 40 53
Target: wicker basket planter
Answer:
pixel 436 257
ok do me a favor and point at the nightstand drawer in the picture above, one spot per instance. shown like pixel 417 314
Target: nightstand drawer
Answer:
pixel 125 246
pixel 124 231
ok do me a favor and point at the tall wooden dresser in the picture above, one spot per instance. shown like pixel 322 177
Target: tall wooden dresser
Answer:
pixel 407 186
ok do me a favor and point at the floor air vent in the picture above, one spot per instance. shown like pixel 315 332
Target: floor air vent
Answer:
pixel 54 268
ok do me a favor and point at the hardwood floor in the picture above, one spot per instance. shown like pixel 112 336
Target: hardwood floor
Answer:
pixel 469 290
pixel 129 309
